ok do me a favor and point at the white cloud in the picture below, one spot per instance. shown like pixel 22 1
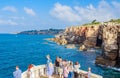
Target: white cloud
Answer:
pixel 8 22
pixel 9 8
pixel 117 7
pixel 65 13
pixel 16 17
pixel 29 11
pixel 103 12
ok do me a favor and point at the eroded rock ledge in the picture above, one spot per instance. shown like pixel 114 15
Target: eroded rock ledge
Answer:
pixel 105 36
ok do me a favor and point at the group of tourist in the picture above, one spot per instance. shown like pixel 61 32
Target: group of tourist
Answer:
pixel 64 68
pixel 61 68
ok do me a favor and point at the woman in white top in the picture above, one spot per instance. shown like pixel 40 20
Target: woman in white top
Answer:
pixel 76 70
pixel 88 74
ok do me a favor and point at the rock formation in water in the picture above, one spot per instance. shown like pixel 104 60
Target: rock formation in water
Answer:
pixel 106 36
pixel 110 36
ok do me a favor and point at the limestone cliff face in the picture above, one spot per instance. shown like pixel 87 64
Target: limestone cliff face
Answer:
pixel 83 35
pixel 110 45
pixel 106 36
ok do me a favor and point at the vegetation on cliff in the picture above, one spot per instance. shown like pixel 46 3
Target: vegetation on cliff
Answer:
pixel 94 22
pixel 115 20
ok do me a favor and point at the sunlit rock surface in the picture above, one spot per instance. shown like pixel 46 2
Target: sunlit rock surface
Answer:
pixel 105 35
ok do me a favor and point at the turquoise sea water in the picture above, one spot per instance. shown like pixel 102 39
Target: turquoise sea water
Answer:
pixel 23 50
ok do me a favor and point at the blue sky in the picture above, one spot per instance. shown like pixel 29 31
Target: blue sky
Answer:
pixel 21 15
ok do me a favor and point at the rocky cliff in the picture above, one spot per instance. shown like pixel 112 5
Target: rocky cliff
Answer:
pixel 106 36
pixel 110 34
pixel 84 36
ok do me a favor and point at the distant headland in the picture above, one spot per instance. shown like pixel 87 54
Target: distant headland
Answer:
pixel 47 32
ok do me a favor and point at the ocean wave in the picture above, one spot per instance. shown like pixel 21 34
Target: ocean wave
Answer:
pixel 110 67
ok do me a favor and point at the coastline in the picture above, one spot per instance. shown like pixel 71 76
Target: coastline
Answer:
pixel 104 36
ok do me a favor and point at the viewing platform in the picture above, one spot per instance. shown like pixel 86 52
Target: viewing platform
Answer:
pixel 40 72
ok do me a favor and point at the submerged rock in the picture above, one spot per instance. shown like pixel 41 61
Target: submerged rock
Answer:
pixel 60 41
pixel 70 46
pixel 82 48
pixel 105 61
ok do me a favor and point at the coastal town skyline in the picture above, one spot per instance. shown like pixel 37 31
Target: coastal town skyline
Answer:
pixel 21 15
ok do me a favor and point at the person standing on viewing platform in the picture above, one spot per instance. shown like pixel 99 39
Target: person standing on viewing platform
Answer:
pixel 17 73
pixel 48 59
pixel 49 67
pixel 76 70
pixel 50 70
pixel 88 74
pixel 61 67
pixel 70 67
pixel 57 65
pixel 65 70
pixel 30 71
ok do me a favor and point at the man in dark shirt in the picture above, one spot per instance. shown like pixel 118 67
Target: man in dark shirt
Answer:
pixel 57 65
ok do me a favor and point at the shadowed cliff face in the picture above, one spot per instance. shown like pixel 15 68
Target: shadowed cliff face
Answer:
pixel 105 36
pixel 118 52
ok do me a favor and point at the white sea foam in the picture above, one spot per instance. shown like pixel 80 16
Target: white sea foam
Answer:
pixel 110 67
